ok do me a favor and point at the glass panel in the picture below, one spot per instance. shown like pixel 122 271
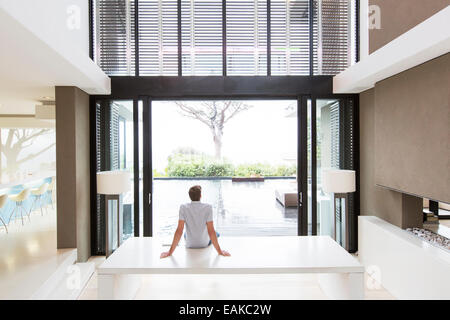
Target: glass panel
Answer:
pixel 201 29
pixel 328 156
pixel 309 160
pixel 27 161
pixel 122 126
pixel 250 180
pixel 141 167
pixel 334 36
pixel 114 36
pixel 246 37
pixel 158 37
pixel 290 37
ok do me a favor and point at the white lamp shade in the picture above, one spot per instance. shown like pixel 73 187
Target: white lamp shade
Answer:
pixel 113 182
pixel 338 181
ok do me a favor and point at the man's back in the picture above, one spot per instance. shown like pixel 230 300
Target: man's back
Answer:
pixel 196 215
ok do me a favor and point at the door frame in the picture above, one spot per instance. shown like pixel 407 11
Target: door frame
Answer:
pixel 147 204
pixel 344 101
pixel 147 199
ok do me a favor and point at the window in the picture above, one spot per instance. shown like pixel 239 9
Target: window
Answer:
pixel 158 37
pixel 114 36
pixel 201 34
pixel 334 36
pixel 246 37
pixel 225 37
pixel 289 37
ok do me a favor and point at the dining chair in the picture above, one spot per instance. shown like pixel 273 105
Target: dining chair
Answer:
pixel 39 195
pixel 51 190
pixel 3 200
pixel 19 200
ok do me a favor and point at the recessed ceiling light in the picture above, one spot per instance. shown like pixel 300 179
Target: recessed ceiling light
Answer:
pixel 47 98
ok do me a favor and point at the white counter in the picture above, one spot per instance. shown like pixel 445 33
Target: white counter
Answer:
pixel 406 266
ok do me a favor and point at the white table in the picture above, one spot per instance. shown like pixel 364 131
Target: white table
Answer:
pixel 340 275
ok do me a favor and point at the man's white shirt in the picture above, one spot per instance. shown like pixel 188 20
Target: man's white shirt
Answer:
pixel 195 215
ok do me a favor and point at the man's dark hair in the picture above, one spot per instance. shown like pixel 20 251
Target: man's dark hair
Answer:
pixel 195 193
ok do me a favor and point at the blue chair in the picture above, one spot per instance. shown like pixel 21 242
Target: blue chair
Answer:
pixel 51 190
pixel 3 201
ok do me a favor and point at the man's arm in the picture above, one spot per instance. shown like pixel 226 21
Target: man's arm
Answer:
pixel 176 239
pixel 214 241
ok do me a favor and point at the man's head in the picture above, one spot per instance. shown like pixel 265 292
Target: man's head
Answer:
pixel 195 193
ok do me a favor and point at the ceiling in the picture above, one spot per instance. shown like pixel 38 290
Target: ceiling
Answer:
pixel 32 65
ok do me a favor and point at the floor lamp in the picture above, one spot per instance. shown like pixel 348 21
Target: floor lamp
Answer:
pixel 340 183
pixel 113 184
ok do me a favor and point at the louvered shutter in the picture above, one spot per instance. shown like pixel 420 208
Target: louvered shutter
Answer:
pixel 335 135
pixel 246 23
pixel 290 37
pixel 114 137
pixel 334 36
pixel 201 29
pixel 114 36
pixel 158 37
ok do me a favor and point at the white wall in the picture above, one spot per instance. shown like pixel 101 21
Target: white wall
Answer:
pixel 363 29
pixel 55 21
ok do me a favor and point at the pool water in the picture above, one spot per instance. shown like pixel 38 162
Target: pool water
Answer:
pixel 239 208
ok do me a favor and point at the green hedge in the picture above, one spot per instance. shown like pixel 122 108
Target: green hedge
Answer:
pixel 182 165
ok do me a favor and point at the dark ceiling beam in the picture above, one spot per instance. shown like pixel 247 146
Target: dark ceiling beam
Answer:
pixel 185 87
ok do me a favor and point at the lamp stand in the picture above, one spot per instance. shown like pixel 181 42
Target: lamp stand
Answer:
pixel 339 197
pixel 114 223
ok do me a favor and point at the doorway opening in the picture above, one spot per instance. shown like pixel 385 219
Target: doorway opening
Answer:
pixel 242 153
pixel 261 170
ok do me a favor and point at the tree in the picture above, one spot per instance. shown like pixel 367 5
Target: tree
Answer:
pixel 213 114
pixel 16 141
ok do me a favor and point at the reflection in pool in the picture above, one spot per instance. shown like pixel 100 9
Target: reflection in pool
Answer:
pixel 240 208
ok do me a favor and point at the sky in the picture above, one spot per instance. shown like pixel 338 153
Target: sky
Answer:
pixel 260 134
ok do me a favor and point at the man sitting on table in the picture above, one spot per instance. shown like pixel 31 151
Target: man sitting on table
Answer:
pixel 198 218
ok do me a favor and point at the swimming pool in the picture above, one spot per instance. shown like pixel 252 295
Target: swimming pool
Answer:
pixel 239 208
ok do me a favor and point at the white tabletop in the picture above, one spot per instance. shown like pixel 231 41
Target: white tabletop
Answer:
pixel 249 255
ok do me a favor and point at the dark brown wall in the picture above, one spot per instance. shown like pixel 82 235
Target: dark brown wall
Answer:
pixel 375 201
pixel 72 170
pixel 394 207
pixel 409 116
pixel 399 16
pixel 412 125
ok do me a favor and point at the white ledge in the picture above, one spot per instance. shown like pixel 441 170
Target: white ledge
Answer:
pixel 33 58
pixel 428 40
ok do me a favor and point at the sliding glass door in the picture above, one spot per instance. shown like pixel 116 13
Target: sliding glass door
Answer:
pixel 331 144
pixel 326 137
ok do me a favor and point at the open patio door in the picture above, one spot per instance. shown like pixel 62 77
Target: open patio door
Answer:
pixel 329 126
pixel 302 164
pixel 147 170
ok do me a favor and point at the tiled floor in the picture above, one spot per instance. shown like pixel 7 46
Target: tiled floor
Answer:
pixel 227 287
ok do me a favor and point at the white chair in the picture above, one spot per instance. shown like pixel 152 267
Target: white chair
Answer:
pixel 3 200
pixel 18 201
pixel 39 194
